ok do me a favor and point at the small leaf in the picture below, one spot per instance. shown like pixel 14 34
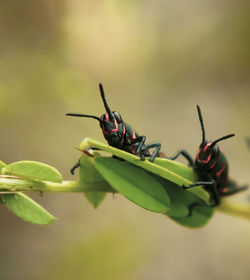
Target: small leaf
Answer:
pixel 134 183
pixel 91 178
pixel 95 198
pixel 27 209
pixel 33 170
pixel 2 165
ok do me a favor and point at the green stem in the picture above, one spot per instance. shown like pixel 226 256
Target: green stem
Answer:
pixel 233 209
pixel 14 185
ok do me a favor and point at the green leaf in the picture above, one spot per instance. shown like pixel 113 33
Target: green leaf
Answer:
pixel 167 169
pixel 134 183
pixel 180 169
pixel 95 198
pixel 186 173
pixel 33 170
pixel 171 175
pixel 27 209
pixel 201 214
pixel 180 201
pixel 2 165
pixel 90 177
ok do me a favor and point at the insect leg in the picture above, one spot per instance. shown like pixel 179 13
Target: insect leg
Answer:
pixel 157 147
pixel 198 184
pixel 141 140
pixel 216 196
pixel 185 154
pixel 72 170
pixel 191 208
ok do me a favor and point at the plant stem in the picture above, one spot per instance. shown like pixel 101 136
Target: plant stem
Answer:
pixel 14 185
pixel 234 209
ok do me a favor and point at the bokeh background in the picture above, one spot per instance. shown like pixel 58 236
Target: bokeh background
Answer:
pixel 157 60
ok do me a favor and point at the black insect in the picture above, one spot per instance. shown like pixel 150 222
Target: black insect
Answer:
pixel 212 168
pixel 120 134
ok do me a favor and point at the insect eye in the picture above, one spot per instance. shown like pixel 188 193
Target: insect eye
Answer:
pixel 215 149
pixel 117 117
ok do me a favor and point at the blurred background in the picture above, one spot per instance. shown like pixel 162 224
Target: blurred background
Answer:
pixel 156 60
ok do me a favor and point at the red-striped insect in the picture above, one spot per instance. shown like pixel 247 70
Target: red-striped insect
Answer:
pixel 211 167
pixel 120 134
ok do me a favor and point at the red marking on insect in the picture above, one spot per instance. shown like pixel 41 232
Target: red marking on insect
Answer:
pixel 207 160
pixel 106 117
pixel 113 130
pixel 224 190
pixel 220 171
pixel 203 160
pixel 133 136
pixel 124 129
pixel 206 147
pixel 212 166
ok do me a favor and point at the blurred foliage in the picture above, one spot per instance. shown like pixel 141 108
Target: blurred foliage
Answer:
pixel 105 255
pixel 156 59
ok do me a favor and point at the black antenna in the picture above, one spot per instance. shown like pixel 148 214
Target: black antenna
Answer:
pixel 222 138
pixel 105 102
pixel 84 116
pixel 202 124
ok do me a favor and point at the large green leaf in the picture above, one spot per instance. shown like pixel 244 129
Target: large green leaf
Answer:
pixel 134 183
pixel 167 169
pixel 170 174
pixel 27 209
pixel 33 170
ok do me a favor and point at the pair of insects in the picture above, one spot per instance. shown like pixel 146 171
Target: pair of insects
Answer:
pixel 210 163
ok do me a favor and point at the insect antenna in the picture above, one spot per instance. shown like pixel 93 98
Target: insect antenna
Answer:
pixel 222 138
pixel 202 124
pixel 105 102
pixel 84 116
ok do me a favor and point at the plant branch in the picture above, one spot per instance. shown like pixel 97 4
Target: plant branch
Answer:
pixel 233 209
pixel 15 185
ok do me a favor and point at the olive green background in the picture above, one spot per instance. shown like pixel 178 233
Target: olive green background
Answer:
pixel 156 60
